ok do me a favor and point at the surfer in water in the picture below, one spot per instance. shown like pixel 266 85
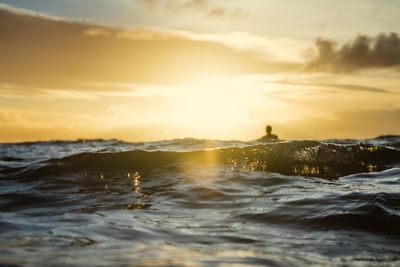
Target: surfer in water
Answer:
pixel 269 136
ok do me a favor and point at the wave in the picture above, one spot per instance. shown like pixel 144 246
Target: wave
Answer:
pixel 203 143
pixel 305 158
pixel 287 196
pixel 373 212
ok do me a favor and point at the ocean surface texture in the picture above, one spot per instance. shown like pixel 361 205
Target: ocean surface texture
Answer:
pixel 195 202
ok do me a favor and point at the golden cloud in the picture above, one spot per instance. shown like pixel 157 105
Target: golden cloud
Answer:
pixel 39 51
pixel 204 7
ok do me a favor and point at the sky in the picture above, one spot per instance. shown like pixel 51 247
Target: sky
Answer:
pixel 141 70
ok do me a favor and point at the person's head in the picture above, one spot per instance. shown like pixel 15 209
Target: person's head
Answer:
pixel 268 129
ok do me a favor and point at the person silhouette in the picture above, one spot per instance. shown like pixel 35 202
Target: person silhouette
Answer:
pixel 269 136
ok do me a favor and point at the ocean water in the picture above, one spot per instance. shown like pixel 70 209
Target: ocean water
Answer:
pixel 200 203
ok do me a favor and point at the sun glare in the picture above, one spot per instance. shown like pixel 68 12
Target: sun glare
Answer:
pixel 214 106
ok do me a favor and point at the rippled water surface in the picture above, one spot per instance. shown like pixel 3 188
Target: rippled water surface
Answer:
pixel 200 203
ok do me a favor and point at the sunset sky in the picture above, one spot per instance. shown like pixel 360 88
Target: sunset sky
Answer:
pixel 142 70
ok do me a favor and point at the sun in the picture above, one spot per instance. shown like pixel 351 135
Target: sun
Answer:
pixel 213 106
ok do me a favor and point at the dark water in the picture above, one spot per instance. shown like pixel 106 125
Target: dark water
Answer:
pixel 183 203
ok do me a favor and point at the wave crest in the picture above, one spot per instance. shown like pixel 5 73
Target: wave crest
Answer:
pixel 305 158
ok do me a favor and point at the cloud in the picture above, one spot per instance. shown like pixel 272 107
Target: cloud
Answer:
pixel 204 7
pixel 43 52
pixel 345 87
pixel 362 52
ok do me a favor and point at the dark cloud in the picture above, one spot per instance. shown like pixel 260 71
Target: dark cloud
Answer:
pixel 205 7
pixel 42 52
pixel 345 87
pixel 363 52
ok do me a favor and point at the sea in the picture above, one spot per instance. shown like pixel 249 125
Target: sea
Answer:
pixel 190 202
